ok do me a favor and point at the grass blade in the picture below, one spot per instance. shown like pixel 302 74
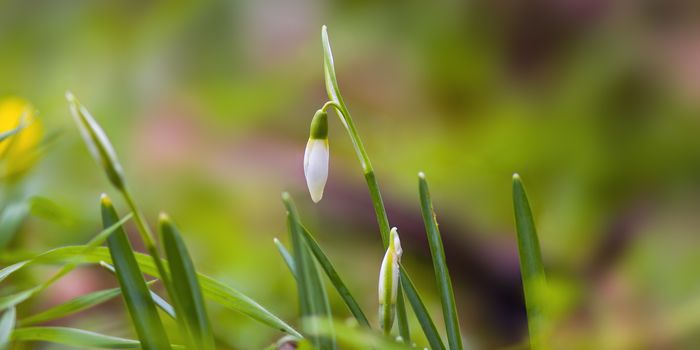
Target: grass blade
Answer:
pixel 531 267
pixel 184 288
pixel 136 294
pixel 286 256
pixel 213 290
pixel 329 69
pixel 7 324
pixel 334 277
pixel 437 251
pixel 313 299
pixel 73 337
pixel 7 134
pixel 426 322
pixel 72 306
pixel 401 319
pixel 19 297
pixel 160 302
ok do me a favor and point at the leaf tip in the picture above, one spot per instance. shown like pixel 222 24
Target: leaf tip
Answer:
pixel 286 197
pixel 164 218
pixel 70 97
pixel 105 200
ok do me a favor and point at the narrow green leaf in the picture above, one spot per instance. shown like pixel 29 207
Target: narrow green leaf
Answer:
pixel 19 297
pixel 401 319
pixel 11 219
pixel 95 138
pixel 71 307
pixel 313 299
pixel 212 289
pixel 185 289
pixel 160 302
pixel 442 275
pixel 531 267
pixel 7 271
pixel 329 69
pixel 7 134
pixel 286 256
pixel 7 324
pixel 136 294
pixel 16 298
pixel 73 337
pixel 334 277
pixel 426 322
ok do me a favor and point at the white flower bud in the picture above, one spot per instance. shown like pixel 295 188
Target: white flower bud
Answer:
pixel 389 281
pixel 316 156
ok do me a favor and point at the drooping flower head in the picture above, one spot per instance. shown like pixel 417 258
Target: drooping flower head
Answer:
pixel 316 156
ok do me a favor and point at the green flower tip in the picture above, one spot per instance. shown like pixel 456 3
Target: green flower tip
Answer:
pixel 516 177
pixel 275 240
pixel 421 175
pixel 319 126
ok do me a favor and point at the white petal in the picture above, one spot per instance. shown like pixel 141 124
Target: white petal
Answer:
pixel 316 167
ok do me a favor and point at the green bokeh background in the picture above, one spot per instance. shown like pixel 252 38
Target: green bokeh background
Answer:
pixel 595 103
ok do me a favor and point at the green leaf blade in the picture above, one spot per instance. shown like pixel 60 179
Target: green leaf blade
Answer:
pixel 72 306
pixel 7 325
pixel 213 290
pixel 531 266
pixel 421 312
pixel 136 294
pixel 185 289
pixel 286 256
pixel 73 337
pixel 313 299
pixel 442 275
pixel 334 277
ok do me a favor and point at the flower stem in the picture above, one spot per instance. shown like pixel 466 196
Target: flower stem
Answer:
pixel 146 236
pixel 377 202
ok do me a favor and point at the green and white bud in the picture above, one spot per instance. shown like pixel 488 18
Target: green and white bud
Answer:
pixel 316 156
pixel 389 281
pixel 97 142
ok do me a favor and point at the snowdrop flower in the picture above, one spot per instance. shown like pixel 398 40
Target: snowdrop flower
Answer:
pixel 316 156
pixel 389 281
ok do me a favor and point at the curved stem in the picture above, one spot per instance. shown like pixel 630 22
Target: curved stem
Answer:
pixel 368 171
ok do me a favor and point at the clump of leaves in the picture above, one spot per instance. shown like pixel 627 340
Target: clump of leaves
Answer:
pixel 188 290
pixel 394 280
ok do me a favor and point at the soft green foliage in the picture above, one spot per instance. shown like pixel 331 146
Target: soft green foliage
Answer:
pixel 313 299
pixel 7 325
pixel 213 290
pixel 72 306
pixel 185 289
pixel 334 277
pixel 74 338
pixel 136 294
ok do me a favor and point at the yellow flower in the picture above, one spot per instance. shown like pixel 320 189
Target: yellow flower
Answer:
pixel 18 153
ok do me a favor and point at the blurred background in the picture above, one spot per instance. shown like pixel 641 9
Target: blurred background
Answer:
pixel 596 103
